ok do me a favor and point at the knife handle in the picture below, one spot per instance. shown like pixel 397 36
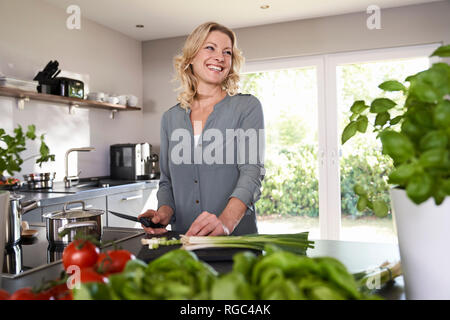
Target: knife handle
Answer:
pixel 148 223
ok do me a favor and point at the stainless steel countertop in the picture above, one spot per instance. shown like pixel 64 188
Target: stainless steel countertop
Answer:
pixel 59 194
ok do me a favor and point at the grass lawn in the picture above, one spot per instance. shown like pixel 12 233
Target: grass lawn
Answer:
pixel 367 229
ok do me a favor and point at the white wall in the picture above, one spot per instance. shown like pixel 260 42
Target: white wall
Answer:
pixel 32 33
pixel 404 26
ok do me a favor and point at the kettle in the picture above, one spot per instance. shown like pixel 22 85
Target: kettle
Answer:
pixel 13 223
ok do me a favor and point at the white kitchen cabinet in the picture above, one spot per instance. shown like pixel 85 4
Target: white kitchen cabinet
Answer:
pixel 132 203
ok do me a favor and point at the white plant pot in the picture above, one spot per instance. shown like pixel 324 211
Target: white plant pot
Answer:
pixel 424 240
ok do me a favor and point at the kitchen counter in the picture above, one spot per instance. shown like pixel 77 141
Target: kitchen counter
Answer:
pixel 357 256
pixel 85 189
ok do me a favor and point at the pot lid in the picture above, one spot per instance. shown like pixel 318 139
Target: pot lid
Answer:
pixel 74 213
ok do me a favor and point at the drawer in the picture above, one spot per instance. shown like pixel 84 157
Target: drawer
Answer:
pixel 131 203
pixel 95 203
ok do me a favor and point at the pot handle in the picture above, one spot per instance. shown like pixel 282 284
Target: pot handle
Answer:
pixel 74 225
pixel 83 205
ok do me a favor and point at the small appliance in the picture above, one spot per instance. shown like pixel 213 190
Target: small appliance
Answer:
pixel 128 161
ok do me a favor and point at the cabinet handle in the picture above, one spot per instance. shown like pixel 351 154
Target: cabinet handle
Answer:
pixel 132 198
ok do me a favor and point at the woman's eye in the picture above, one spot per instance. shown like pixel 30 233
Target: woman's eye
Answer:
pixel 228 53
pixel 209 48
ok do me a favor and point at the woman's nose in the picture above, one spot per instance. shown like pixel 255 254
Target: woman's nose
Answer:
pixel 220 57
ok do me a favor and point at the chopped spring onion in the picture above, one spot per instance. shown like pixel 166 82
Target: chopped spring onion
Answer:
pixel 297 242
pixel 154 243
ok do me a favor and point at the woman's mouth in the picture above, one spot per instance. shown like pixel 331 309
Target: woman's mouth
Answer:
pixel 214 68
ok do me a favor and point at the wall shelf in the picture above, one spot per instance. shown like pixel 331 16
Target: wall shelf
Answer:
pixel 23 95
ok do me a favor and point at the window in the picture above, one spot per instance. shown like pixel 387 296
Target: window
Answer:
pixel 310 176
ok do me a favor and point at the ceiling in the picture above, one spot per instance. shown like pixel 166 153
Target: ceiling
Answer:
pixel 172 18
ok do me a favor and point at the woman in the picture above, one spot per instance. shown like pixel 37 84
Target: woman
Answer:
pixel 212 143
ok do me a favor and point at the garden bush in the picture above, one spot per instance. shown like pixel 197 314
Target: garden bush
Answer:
pixel 290 186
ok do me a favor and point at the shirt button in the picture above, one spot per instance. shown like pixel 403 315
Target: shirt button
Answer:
pixel 196 201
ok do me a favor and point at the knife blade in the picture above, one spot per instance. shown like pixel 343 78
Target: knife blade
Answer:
pixel 147 222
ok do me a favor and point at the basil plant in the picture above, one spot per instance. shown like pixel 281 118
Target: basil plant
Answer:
pixel 12 145
pixel 416 135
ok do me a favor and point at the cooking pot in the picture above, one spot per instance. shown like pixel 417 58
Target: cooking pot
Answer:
pixel 14 218
pixel 71 221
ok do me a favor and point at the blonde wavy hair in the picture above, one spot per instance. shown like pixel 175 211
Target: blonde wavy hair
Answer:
pixel 191 47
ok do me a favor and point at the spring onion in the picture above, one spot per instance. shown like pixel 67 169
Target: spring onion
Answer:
pixel 375 278
pixel 297 242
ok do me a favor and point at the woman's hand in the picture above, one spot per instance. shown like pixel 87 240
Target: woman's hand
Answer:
pixel 162 216
pixel 207 224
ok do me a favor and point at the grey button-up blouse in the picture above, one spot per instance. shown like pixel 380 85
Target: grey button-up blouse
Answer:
pixel 227 162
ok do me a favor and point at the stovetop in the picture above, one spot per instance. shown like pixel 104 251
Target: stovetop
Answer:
pixel 37 252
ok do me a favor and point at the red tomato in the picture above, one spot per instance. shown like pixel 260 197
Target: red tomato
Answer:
pixel 114 261
pixel 81 253
pixel 4 295
pixel 91 275
pixel 60 292
pixel 28 294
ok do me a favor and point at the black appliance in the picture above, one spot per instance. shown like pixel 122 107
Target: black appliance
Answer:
pixel 51 84
pixel 129 161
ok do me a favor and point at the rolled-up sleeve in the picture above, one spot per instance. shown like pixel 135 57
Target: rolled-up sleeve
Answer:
pixel 251 163
pixel 165 191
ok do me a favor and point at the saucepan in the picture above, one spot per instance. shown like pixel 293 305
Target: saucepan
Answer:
pixel 62 226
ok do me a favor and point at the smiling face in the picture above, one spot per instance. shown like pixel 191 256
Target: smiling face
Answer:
pixel 212 63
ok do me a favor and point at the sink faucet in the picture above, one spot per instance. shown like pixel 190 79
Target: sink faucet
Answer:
pixel 68 180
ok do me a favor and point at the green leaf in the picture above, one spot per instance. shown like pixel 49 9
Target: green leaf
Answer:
pixel 439 196
pixel 361 204
pixel 359 190
pixel 396 120
pixel 441 115
pixel 354 116
pixel 419 187
pixel 412 129
pixel 381 105
pixel 402 173
pixel 362 123
pixel 358 107
pixel 424 92
pixel 446 186
pixel 433 158
pixel 349 131
pixel 433 140
pixel 442 51
pixel 397 146
pixel 382 118
pixel 31 133
pixel 380 208
pixel 392 85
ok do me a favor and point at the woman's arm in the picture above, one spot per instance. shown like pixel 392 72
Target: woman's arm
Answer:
pixel 250 165
pixel 165 192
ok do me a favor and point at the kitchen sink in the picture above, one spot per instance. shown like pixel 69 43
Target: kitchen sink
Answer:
pixel 103 183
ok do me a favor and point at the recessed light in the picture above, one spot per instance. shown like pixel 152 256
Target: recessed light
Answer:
pixel 139 26
pixel 265 6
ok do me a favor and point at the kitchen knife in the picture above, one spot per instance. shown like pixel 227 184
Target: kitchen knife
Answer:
pixel 147 222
